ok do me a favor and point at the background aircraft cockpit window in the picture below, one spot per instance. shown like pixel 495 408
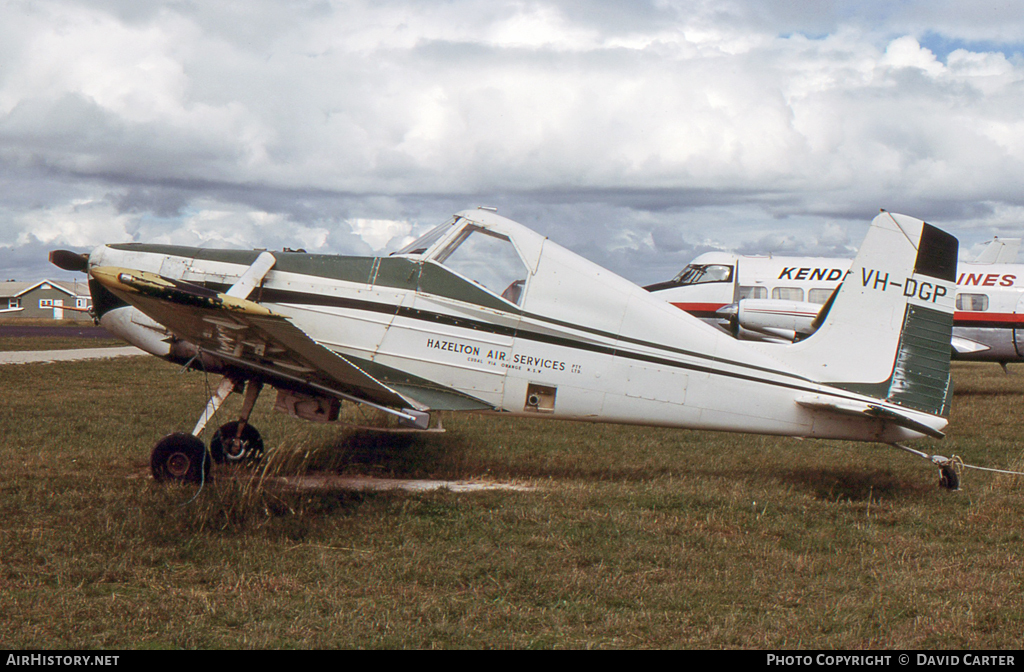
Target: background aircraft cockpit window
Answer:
pixel 788 293
pixel 752 292
pixel 819 295
pixel 423 243
pixel 696 274
pixel 489 259
pixel 975 303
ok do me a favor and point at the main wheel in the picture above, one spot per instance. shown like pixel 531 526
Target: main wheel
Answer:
pixel 226 446
pixel 180 457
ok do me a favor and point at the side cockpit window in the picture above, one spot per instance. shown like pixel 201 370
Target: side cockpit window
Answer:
pixel 488 259
pixel 698 274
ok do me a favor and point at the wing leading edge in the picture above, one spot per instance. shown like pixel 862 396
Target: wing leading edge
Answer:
pixel 249 336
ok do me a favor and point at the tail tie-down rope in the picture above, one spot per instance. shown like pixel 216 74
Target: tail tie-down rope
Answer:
pixel 951 468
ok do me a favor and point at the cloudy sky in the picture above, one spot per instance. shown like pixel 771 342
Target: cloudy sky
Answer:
pixel 635 132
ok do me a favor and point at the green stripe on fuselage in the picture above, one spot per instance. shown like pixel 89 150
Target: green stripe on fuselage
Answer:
pixel 390 272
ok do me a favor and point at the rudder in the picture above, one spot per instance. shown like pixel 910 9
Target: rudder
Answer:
pixel 887 330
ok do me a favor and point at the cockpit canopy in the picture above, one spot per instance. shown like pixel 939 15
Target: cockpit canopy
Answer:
pixel 488 259
pixel 524 273
pixel 476 252
pixel 702 271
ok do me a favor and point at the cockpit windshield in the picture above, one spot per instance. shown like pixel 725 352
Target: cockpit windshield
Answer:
pixel 488 259
pixel 423 243
pixel 697 274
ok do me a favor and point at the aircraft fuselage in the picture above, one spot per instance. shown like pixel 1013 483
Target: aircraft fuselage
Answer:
pixel 566 339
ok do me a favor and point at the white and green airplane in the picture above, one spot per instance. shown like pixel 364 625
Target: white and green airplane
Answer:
pixel 482 314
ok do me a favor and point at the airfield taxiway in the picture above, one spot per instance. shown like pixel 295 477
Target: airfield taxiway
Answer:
pixel 70 355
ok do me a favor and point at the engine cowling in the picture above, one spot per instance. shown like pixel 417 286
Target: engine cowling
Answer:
pixel 771 318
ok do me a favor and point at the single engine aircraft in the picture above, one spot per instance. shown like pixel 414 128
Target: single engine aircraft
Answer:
pixel 777 298
pixel 482 314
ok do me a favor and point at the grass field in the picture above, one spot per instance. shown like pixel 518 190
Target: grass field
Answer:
pixel 21 343
pixel 53 342
pixel 634 537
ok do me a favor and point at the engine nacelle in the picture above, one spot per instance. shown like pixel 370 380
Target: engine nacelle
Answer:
pixel 772 318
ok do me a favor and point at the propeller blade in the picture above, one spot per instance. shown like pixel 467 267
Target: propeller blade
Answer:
pixel 70 261
pixel 729 318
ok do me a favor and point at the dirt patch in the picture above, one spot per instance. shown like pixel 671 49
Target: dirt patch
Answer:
pixel 328 482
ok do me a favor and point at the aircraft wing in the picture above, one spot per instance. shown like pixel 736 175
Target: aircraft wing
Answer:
pixel 247 335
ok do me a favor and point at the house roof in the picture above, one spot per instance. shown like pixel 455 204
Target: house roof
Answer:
pixel 15 289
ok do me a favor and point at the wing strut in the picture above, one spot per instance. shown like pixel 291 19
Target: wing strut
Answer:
pixel 223 390
pixel 253 276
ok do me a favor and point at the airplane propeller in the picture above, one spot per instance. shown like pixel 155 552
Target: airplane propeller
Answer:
pixel 70 261
pixel 729 318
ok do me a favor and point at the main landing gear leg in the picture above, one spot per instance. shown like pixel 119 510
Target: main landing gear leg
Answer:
pixel 183 457
pixel 238 441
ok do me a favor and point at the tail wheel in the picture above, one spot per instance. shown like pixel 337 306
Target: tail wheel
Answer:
pixel 227 446
pixel 948 478
pixel 180 457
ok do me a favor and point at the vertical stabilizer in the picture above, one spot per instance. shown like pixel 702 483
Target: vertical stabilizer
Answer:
pixel 997 251
pixel 887 330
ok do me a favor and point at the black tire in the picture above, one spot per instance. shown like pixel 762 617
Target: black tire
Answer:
pixel 180 457
pixel 225 448
pixel 948 478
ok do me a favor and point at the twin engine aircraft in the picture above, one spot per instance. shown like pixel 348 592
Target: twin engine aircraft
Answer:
pixel 482 314
pixel 778 298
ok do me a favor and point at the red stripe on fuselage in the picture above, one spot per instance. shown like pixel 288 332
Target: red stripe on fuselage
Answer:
pixel 699 307
pixel 961 318
pixel 995 320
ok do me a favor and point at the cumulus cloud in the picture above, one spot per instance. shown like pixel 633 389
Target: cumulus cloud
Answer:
pixel 636 133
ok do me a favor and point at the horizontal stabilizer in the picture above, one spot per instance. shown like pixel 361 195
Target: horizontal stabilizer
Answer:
pixel 965 346
pixel 864 409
